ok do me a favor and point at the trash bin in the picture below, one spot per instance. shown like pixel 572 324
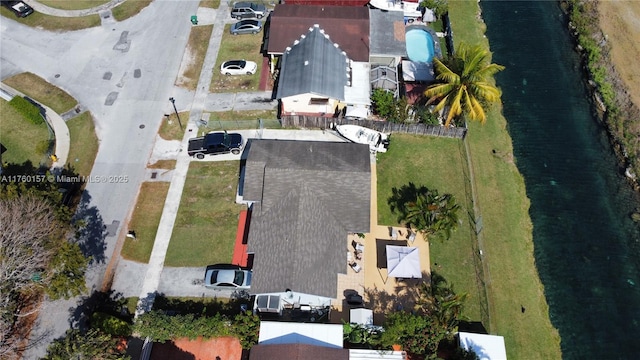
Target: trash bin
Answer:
pixel 194 19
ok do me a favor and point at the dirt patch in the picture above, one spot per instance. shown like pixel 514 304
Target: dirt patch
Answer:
pixel 188 60
pixel 226 348
pixel 620 21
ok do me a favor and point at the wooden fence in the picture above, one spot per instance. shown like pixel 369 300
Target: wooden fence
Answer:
pixel 317 122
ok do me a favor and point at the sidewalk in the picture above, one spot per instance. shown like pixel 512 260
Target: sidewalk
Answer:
pixel 151 280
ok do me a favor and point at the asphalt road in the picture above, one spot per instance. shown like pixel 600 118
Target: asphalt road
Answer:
pixel 123 73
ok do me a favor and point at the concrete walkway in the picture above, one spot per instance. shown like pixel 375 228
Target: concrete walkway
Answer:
pixel 151 281
pixel 59 127
pixel 44 9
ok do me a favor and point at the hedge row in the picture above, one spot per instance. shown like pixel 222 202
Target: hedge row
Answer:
pixel 27 109
pixel 162 327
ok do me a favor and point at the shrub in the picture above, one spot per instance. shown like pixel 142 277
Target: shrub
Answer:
pixel 110 324
pixel 27 109
pixel 383 102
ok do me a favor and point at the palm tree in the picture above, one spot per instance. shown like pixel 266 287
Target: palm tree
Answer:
pixel 464 84
pixel 432 213
pixel 438 301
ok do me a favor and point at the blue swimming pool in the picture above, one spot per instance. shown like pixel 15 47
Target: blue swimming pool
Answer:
pixel 420 46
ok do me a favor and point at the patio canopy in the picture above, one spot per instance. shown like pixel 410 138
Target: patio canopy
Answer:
pixel 403 262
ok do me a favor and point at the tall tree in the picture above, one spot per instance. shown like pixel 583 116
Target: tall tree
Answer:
pixel 425 209
pixel 92 345
pixel 438 301
pixel 464 84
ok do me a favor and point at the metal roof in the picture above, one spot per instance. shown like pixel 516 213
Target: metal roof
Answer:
pixel 348 26
pixel 313 65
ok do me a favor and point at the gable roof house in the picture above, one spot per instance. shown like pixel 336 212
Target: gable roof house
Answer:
pixel 317 78
pixel 306 197
pixel 348 26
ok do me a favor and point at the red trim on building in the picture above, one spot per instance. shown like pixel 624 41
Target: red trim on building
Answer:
pixel 240 256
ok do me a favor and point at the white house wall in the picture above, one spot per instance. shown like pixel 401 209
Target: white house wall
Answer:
pixel 301 104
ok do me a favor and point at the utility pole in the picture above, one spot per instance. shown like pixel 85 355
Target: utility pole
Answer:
pixel 173 101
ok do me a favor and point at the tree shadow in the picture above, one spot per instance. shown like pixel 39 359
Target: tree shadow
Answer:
pixel 403 196
pixel 110 302
pixel 92 231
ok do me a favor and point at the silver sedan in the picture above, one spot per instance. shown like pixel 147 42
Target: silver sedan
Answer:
pixel 246 27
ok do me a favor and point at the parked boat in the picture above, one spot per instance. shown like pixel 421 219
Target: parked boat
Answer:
pixel 411 9
pixel 377 141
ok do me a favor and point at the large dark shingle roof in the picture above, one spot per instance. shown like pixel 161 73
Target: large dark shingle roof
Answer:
pixel 348 26
pixel 310 195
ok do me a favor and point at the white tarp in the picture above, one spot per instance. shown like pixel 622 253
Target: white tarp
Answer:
pixel 403 262
pixel 357 112
pixel 361 316
pixel 487 347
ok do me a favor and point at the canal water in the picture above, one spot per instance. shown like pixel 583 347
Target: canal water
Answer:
pixel 587 248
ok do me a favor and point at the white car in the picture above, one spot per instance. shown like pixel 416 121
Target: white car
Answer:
pixel 238 67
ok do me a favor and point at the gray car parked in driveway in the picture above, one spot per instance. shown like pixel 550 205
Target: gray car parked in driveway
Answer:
pixel 248 26
pixel 247 10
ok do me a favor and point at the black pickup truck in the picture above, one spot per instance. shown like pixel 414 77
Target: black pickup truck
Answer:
pixel 215 143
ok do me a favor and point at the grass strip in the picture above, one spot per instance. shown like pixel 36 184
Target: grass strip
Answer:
pixel 84 144
pixel 145 220
pixel 54 23
pixel 196 51
pixel 170 128
pixel 129 9
pixel 42 91
pixel 73 4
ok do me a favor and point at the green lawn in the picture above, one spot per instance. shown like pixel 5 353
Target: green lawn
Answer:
pixel 39 89
pixel 197 49
pixel 73 4
pixel 22 138
pixel 237 47
pixel 437 163
pixel 54 23
pixel 205 229
pixel 214 4
pixel 84 143
pixel 145 220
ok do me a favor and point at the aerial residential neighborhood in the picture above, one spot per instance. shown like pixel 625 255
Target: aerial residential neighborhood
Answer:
pixel 250 180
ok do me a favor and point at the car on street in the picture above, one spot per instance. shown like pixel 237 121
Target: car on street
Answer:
pixel 227 276
pixel 18 7
pixel 215 143
pixel 238 67
pixel 245 10
pixel 248 26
